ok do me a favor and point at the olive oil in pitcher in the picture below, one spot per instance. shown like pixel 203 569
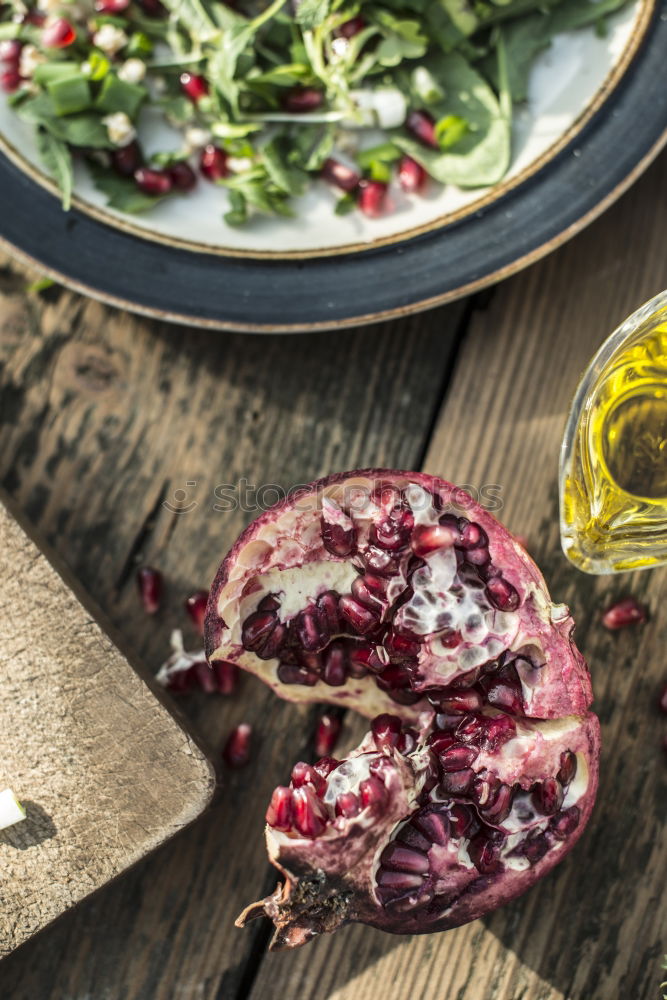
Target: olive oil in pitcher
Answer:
pixel 613 477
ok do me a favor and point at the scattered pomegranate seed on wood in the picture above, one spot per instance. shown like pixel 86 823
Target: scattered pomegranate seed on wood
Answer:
pixel 327 732
pixel 149 581
pixel 237 748
pixel 195 605
pixel 663 699
pixel 625 612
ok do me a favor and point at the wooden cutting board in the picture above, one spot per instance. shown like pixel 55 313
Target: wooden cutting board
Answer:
pixel 104 771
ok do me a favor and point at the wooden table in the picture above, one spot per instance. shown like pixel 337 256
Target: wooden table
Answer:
pixel 104 417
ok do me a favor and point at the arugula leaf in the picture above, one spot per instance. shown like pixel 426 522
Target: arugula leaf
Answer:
pixel 311 13
pixel 286 176
pixel 57 159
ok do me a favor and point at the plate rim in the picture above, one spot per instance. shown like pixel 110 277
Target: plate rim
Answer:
pixel 225 293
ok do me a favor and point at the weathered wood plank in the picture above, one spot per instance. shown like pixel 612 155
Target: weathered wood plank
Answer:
pixel 104 772
pixel 596 928
pixel 103 418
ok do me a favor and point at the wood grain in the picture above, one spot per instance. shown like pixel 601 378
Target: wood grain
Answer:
pixel 596 928
pixel 103 418
pixel 104 772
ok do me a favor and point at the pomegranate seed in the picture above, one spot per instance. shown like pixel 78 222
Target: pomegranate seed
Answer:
pixel 153 182
pixel 347 805
pixel 361 618
pixel 280 813
pixel 290 674
pixel 111 6
pixel 372 792
pixel 350 28
pixel 457 757
pixel 149 581
pixel 303 99
pixel 548 796
pixel 305 774
pixel 325 765
pixel 195 605
pixel 310 816
pixel 422 127
pixel 460 819
pixel 58 34
pixel 342 176
pixel 34 17
pixel 457 782
pixel 484 854
pixel 625 612
pixel 407 741
pixel 205 677
pixel 127 159
pixel 213 163
pixel 327 732
pixel 411 175
pixel 153 8
pixel 193 86
pixel 501 593
pixel 429 538
pixel 372 198
pixel 662 701
pixel 568 766
pixel 10 50
pixel 535 847
pixel 564 823
pixel 386 730
pixel 473 537
pixel 10 81
pixel 226 676
pixel 500 808
pixel 237 747
pixel 182 176
pixel 461 700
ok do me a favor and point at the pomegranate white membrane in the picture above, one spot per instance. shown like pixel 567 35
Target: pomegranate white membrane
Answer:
pixel 395 594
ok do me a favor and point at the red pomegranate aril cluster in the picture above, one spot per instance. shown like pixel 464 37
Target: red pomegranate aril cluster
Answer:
pixel 213 163
pixel 10 55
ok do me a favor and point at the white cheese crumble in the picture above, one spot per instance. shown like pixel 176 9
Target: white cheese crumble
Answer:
pixel 110 39
pixel 120 129
pixel 132 71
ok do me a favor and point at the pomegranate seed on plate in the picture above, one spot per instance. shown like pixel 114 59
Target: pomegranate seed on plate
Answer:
pixel 182 176
pixel 127 159
pixel 194 86
pixel 372 198
pixel 149 581
pixel 237 748
pixel 111 6
pixel 344 177
pixel 10 81
pixel 303 99
pixel 213 163
pixel 58 34
pixel 154 182
pixel 351 28
pixel 628 611
pixel 10 50
pixel 422 127
pixel 411 175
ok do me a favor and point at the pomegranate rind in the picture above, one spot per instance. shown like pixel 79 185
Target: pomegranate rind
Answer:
pixel 288 537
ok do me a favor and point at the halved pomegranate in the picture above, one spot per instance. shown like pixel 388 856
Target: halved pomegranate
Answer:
pixel 395 594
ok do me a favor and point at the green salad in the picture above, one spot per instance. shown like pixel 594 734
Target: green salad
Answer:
pixel 265 100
